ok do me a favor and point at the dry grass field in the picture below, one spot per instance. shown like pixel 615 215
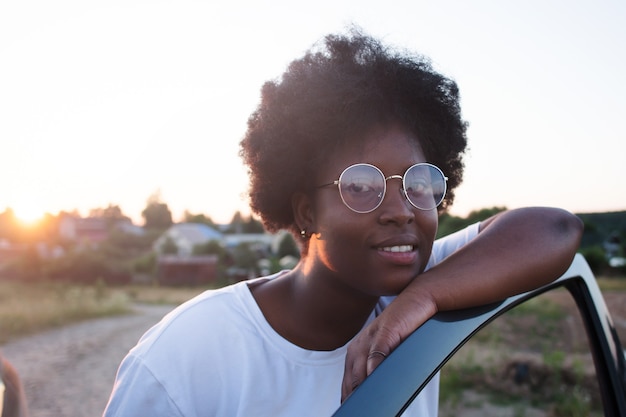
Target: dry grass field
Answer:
pixel 29 308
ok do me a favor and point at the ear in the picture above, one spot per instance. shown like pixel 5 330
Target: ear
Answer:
pixel 303 212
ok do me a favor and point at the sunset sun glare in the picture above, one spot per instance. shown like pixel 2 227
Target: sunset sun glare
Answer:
pixel 28 216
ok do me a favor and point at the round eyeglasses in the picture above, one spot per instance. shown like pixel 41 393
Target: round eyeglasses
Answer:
pixel 362 187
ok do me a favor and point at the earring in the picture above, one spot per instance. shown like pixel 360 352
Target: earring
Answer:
pixel 303 234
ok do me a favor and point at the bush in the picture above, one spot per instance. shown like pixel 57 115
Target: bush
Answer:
pixel 87 267
pixel 595 257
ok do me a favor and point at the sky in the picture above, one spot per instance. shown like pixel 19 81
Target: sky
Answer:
pixel 111 101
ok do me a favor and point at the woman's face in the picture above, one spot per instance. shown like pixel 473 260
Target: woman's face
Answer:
pixel 380 252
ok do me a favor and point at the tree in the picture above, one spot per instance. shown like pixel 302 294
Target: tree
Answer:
pixel 245 257
pixel 595 257
pixel 288 246
pixel 169 247
pixel 88 266
pixel 111 212
pixel 29 265
pixel 198 218
pixel 240 224
pixel 253 226
pixel 8 225
pixel 157 214
pixel 212 247
pixel 236 224
pixel 450 224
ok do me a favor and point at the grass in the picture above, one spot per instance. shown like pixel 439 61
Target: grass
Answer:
pixel 153 294
pixel 612 283
pixel 27 308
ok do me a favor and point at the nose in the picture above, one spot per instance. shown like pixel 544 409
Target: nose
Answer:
pixel 395 208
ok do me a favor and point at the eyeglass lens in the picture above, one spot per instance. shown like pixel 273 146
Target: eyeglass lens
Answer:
pixel 362 187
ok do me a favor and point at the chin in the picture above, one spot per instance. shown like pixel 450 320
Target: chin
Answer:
pixel 395 288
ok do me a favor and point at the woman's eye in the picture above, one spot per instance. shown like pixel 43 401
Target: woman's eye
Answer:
pixel 417 187
pixel 359 188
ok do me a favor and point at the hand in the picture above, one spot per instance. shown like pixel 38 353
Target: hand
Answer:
pixel 372 345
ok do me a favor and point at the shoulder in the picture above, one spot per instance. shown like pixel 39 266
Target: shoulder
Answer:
pixel 445 246
pixel 190 352
pixel 211 313
pixel 205 320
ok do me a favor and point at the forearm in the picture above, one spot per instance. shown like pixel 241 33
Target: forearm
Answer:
pixel 515 251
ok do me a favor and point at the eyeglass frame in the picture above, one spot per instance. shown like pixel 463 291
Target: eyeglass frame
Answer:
pixel 386 178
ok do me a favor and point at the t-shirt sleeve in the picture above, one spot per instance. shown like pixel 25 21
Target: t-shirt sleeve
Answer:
pixel 447 245
pixel 138 393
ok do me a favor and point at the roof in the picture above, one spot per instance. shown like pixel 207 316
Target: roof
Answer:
pixel 188 235
pixel 194 232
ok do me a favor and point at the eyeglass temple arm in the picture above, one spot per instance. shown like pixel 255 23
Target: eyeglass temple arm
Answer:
pixel 336 182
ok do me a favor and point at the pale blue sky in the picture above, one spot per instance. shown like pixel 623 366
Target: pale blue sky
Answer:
pixel 107 101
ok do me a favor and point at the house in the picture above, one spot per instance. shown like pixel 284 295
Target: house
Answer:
pixel 179 270
pixel 10 252
pixel 177 264
pixel 261 243
pixel 90 231
pixel 186 236
pixel 183 267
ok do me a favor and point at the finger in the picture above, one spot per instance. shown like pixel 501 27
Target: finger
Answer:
pixel 354 372
pixel 348 388
pixel 374 359
pixel 351 380
pixel 349 384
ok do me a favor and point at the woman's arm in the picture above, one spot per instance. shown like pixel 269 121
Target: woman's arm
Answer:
pixel 514 251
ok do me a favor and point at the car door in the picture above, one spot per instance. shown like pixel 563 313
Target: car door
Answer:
pixel 400 378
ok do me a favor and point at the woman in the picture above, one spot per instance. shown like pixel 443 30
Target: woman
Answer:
pixel 355 150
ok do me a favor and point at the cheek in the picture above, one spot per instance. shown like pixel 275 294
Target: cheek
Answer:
pixel 341 235
pixel 428 222
pixel 340 243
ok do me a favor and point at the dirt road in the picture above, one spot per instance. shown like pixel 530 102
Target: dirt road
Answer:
pixel 69 371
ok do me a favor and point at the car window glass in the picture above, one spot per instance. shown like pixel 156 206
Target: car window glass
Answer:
pixel 533 361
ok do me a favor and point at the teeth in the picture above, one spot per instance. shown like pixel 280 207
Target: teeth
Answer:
pixel 402 248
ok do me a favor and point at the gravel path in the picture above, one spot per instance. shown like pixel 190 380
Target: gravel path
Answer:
pixel 70 373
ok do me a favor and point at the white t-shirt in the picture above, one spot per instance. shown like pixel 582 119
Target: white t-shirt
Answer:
pixel 216 355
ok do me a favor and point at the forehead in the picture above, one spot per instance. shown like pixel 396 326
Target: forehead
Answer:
pixel 392 149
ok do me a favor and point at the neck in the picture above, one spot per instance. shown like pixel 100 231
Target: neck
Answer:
pixel 313 310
